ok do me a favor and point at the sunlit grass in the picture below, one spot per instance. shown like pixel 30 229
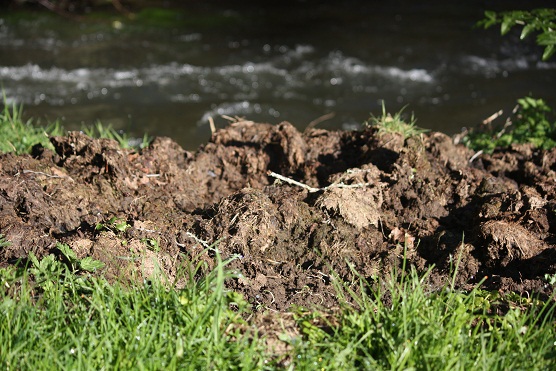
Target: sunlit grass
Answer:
pixel 386 123
pixel 400 324
pixel 99 130
pixel 19 136
pixel 55 318
pixel 86 323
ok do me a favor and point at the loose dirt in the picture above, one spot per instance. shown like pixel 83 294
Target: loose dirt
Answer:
pixel 368 201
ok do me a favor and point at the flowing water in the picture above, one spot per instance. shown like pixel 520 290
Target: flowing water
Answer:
pixel 296 60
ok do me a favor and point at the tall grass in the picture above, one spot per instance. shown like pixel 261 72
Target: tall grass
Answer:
pixel 54 318
pixel 401 324
pixel 86 323
pixel 20 136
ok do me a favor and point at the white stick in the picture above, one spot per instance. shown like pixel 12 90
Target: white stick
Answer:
pixel 212 127
pixel 312 189
pixel 294 182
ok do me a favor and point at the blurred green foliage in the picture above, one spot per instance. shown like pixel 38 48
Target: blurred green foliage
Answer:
pixel 542 21
pixel 532 124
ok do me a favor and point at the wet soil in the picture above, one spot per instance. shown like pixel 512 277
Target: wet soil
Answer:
pixel 364 200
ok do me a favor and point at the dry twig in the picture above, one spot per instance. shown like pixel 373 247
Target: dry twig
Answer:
pixel 313 189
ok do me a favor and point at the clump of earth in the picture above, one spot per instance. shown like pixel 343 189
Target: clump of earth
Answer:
pixel 295 210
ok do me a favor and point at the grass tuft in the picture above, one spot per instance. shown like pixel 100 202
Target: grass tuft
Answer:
pixel 19 136
pixel 99 130
pixel 386 123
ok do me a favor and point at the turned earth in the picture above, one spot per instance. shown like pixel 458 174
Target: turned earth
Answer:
pixel 420 197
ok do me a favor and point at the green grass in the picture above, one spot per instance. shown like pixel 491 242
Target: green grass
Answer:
pixel 99 130
pixel 19 136
pixel 53 316
pixel 85 323
pixel 422 330
pixel 386 123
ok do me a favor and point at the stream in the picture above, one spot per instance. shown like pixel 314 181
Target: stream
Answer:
pixel 296 61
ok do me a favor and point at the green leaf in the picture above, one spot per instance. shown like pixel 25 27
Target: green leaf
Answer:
pixel 526 31
pixel 490 15
pixel 67 251
pixel 48 264
pixel 548 51
pixel 89 264
pixel 506 25
pixel 34 259
pixel 489 20
pixel 122 226
pixel 4 242
pixel 547 38
pixel 119 224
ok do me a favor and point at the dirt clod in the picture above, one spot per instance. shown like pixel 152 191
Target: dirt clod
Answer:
pixel 379 198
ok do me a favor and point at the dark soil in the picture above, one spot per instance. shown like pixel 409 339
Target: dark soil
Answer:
pixel 379 197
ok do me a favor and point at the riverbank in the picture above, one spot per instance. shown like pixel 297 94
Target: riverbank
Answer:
pixel 362 228
pixel 295 206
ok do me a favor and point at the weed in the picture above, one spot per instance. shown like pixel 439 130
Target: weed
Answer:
pixel 50 272
pixel 387 123
pixel 86 264
pixel 114 224
pixel 151 243
pixel 4 242
pixel 550 278
pixel 532 125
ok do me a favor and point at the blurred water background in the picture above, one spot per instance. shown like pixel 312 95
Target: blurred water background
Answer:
pixel 168 69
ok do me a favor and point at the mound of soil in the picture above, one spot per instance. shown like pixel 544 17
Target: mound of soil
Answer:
pixel 293 208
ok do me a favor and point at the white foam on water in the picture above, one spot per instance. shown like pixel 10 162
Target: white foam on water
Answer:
pixel 416 75
pixel 294 74
pixel 243 108
pixel 190 37
pixel 546 65
pixel 489 67
pixel 339 65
